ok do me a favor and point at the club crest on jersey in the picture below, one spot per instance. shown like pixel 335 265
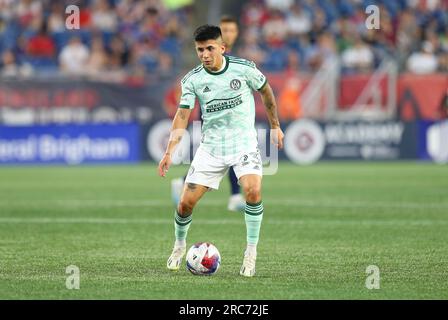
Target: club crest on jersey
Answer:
pixel 235 84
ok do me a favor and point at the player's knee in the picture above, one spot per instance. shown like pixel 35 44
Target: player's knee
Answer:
pixel 185 208
pixel 253 194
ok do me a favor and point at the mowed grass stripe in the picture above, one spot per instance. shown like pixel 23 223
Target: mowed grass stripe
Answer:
pixel 324 203
pixel 272 221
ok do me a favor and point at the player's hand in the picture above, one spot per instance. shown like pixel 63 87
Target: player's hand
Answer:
pixel 277 137
pixel 164 164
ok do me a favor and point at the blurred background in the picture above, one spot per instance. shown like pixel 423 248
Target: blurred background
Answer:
pixel 105 93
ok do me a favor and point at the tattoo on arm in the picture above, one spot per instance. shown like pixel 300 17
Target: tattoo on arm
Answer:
pixel 267 95
pixel 182 115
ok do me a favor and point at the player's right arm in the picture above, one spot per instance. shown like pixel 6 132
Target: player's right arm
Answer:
pixel 180 123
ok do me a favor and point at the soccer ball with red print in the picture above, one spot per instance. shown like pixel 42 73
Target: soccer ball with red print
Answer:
pixel 203 258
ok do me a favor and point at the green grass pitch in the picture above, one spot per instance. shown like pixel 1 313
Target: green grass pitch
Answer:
pixel 323 226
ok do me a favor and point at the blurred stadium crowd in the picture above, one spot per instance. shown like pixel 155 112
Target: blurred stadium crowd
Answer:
pixel 116 38
pixel 288 34
pixel 119 38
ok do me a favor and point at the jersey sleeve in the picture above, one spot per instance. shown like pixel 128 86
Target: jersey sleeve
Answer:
pixel 188 97
pixel 256 79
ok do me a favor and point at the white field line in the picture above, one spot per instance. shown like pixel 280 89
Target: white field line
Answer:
pixel 319 203
pixel 230 221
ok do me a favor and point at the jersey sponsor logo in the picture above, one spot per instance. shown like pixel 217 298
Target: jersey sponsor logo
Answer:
pixel 206 89
pixel 223 104
pixel 235 84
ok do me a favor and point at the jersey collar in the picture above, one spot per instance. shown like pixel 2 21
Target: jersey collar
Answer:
pixel 220 72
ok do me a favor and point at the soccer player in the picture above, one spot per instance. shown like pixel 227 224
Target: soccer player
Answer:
pixel 223 86
pixel 229 29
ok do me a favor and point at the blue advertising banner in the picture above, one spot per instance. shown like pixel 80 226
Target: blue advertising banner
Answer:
pixel 69 144
pixel 307 141
pixel 433 140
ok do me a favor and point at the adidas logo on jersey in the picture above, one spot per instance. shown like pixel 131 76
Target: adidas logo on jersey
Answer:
pixel 206 89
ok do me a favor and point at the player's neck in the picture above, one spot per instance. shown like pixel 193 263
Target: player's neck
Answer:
pixel 219 67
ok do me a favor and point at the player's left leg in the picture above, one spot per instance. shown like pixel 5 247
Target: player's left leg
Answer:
pixel 251 184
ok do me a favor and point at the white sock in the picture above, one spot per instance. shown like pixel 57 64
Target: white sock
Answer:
pixel 251 249
pixel 180 243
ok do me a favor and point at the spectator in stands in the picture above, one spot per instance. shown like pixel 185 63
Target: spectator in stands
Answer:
pixel 323 51
pixel 56 21
pixel 10 68
pixel 254 13
pixel 358 58
pixel 408 32
pixel 298 21
pixel 74 57
pixel 386 35
pixel 119 53
pixel 250 48
pixel 98 59
pixel 165 64
pixel 104 18
pixel 275 30
pixel 345 32
pixel 319 23
pixel 275 27
pixel 230 31
pixel 41 45
pixel 27 11
pixel 151 27
pixel 289 105
pixel 6 10
pixel 423 61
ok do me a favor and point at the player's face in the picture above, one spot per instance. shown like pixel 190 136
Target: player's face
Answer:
pixel 210 53
pixel 229 32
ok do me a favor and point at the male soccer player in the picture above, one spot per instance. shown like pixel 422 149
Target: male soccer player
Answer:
pixel 223 85
pixel 229 30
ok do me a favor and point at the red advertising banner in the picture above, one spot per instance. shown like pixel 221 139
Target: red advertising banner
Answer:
pixel 421 96
pixel 417 96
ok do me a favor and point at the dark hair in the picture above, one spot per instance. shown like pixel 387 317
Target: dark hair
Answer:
pixel 207 32
pixel 228 19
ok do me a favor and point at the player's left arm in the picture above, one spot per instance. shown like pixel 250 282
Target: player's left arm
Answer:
pixel 268 98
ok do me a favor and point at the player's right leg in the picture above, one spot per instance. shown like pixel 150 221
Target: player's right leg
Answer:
pixel 206 172
pixel 236 199
pixel 182 220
